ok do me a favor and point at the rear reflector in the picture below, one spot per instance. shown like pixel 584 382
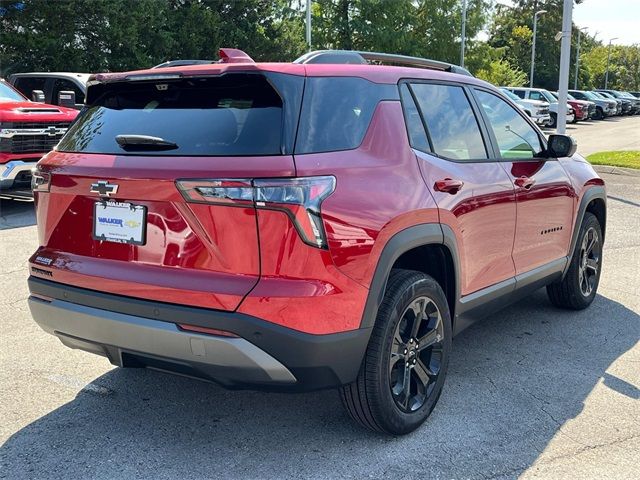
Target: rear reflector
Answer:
pixel 299 198
pixel 208 331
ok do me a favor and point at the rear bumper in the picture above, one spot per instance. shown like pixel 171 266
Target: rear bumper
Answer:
pixel 140 333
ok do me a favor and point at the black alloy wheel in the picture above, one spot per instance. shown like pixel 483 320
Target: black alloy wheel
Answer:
pixel 416 354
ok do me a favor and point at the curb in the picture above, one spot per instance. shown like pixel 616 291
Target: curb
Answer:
pixel 617 170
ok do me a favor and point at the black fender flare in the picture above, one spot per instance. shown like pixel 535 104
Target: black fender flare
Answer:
pixel 592 193
pixel 400 243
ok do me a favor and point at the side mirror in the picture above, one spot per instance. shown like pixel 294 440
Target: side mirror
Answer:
pixel 67 98
pixel 37 96
pixel 561 146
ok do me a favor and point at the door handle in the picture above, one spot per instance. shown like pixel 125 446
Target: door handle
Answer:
pixel 525 182
pixel 448 185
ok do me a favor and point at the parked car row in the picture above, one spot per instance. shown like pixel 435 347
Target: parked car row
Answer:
pixel 542 105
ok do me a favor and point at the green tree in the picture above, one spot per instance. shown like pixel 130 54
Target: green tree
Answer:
pixel 103 35
pixel 624 67
pixel 425 28
pixel 501 72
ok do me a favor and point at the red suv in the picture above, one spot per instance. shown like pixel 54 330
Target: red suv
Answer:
pixel 298 226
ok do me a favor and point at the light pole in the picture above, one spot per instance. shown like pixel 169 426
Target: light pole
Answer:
pixel 464 27
pixel 606 75
pixel 533 45
pixel 309 24
pixel 575 80
pixel 565 65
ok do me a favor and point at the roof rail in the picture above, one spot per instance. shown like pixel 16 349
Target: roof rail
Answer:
pixel 358 57
pixel 182 63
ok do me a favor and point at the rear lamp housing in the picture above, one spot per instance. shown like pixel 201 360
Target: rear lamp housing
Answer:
pixel 299 198
pixel 40 181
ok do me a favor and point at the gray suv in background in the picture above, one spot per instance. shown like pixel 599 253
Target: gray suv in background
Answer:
pixel 604 107
pixel 630 104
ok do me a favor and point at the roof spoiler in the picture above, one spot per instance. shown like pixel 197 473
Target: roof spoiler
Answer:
pixel 227 55
pixel 358 57
pixel 233 55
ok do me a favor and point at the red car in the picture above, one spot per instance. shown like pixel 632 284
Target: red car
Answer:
pixel 28 130
pixel 298 226
pixel 583 109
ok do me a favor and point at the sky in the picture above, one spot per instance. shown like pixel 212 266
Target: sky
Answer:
pixel 609 18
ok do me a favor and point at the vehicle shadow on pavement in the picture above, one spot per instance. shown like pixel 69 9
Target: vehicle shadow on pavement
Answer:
pixel 514 382
pixel 15 214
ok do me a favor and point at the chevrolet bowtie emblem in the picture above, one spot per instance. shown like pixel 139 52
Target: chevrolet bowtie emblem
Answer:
pixel 104 188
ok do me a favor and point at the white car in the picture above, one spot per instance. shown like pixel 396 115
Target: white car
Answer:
pixel 543 95
pixel 536 109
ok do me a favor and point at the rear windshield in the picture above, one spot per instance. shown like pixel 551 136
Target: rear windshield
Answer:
pixel 234 114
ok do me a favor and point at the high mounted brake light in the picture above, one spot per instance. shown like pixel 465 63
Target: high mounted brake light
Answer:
pixel 152 76
pixel 299 198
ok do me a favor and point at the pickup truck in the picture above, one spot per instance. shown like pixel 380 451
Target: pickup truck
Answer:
pixel 66 89
pixel 28 130
pixel 544 96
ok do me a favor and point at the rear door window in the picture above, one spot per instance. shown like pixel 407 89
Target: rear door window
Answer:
pixel 451 123
pixel 234 114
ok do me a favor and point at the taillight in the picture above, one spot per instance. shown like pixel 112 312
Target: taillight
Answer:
pixel 40 181
pixel 225 192
pixel 299 198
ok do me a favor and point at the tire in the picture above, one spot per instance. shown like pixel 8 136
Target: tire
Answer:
pixel 553 123
pixel 377 400
pixel 578 288
pixel 599 115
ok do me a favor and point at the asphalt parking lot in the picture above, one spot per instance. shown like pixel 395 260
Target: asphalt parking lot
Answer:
pixel 614 133
pixel 532 392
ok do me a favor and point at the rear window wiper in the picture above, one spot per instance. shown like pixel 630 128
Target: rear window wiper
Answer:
pixel 144 142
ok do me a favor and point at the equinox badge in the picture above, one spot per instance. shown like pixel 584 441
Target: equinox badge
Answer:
pixel 104 188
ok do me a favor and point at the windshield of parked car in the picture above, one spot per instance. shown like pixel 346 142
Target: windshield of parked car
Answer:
pixel 511 95
pixel 590 96
pixel 8 94
pixel 605 95
pixel 547 94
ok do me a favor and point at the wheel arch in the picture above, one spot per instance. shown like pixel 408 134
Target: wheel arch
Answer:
pixel 594 200
pixel 429 248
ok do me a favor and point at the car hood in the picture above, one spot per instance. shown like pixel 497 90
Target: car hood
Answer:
pixel 584 103
pixel 537 103
pixel 35 112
